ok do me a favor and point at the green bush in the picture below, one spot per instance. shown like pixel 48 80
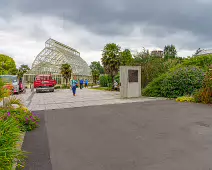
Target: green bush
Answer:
pixel 9 137
pixel 203 61
pixel 57 87
pixel 105 81
pixel 65 87
pixel 179 82
pixel 204 95
pixel 26 119
pixel 117 78
pixel 3 91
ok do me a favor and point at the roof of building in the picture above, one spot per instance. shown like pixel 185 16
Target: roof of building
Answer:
pixel 50 59
pixel 204 52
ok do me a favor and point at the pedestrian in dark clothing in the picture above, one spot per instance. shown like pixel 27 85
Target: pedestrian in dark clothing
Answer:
pixel 81 83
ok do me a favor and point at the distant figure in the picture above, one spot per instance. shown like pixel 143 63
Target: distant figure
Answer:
pixel 115 85
pixel 81 83
pixel 73 84
pixel 86 83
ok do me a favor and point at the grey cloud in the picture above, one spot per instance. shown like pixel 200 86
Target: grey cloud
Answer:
pixel 162 18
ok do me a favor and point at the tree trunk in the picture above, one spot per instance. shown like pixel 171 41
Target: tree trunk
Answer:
pixel 112 81
pixel 66 82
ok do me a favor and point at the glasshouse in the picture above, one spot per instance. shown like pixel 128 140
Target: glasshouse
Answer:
pixel 50 59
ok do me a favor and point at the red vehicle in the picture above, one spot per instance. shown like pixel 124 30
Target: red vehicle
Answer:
pixel 44 82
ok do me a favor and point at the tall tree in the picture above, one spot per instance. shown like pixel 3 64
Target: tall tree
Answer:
pixel 126 58
pixel 22 70
pixel 95 75
pixel 96 70
pixel 111 59
pixel 141 57
pixel 95 65
pixel 170 52
pixel 7 65
pixel 66 72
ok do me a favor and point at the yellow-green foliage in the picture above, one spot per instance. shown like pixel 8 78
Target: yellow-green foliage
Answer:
pixel 3 91
pixel 185 99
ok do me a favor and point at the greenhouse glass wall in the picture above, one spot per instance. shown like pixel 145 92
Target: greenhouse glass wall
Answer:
pixel 50 59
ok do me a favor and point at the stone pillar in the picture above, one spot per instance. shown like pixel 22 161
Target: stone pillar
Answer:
pixel 130 79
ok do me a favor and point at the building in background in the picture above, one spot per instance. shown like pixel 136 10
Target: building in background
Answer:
pixel 158 53
pixel 50 59
pixel 204 52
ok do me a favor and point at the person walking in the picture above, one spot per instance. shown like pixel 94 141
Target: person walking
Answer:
pixel 73 86
pixel 86 83
pixel 81 83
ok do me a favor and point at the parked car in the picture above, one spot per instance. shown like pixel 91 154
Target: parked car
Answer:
pixel 44 82
pixel 13 83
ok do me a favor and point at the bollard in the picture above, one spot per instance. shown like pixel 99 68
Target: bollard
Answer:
pixel 5 101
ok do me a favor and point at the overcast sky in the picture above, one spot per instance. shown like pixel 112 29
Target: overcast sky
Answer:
pixel 87 25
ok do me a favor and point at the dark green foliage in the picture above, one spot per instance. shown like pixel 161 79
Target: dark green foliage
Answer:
pixel 105 81
pixel 170 52
pixel 57 87
pixel 95 65
pixel 126 58
pixel 64 86
pixel 22 70
pixel 66 72
pixel 111 56
pixel 117 78
pixel 153 66
pixel 204 95
pixel 182 81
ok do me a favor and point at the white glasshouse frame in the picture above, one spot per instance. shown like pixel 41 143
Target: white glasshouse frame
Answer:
pixel 50 59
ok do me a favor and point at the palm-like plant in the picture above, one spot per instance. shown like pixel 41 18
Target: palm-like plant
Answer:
pixel 66 72
pixel 111 59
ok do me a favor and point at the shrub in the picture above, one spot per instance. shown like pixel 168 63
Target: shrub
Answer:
pixel 179 82
pixel 26 119
pixel 203 61
pixel 117 78
pixel 3 91
pixel 9 137
pixel 204 95
pixel 57 87
pixel 105 81
pixel 185 99
pixel 65 87
pixel 13 100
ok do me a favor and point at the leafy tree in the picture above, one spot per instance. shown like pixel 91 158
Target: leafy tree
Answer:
pixel 95 65
pixel 141 57
pixel 95 74
pixel 170 52
pixel 111 59
pixel 126 58
pixel 7 65
pixel 22 70
pixel 66 72
pixel 96 70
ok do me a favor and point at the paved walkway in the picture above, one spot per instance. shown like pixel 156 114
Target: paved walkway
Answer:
pixel 61 99
pixel 156 135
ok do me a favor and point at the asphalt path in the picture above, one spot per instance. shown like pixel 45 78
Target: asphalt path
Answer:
pixel 156 135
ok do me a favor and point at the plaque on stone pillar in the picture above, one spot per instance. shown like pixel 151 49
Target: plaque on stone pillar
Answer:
pixel 133 76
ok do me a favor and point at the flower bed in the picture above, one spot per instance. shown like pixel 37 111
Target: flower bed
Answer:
pixel 13 124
